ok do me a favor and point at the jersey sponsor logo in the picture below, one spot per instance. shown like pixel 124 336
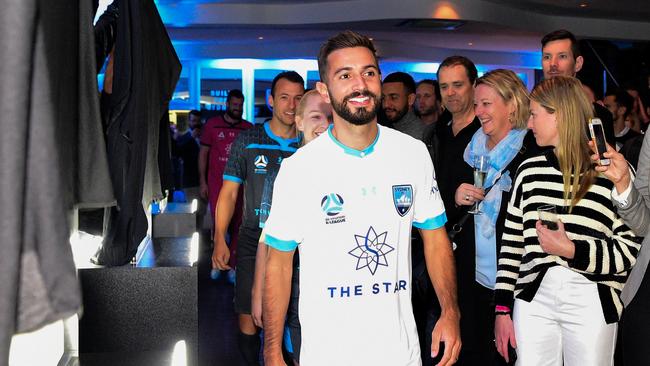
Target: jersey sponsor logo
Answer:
pixel 403 198
pixel 261 161
pixel 332 206
pixel 371 250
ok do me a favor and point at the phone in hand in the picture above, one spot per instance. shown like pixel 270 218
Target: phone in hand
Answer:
pixel 597 133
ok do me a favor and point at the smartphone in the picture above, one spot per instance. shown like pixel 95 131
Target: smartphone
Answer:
pixel 598 137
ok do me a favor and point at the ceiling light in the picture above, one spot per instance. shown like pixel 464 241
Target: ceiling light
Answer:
pixel 260 37
pixel 584 5
pixel 470 44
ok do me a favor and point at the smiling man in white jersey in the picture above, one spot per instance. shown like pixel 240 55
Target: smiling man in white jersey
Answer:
pixel 348 201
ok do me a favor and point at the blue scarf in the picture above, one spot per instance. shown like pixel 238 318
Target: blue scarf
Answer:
pixel 500 156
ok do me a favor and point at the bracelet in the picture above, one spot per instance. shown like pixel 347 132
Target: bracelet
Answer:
pixel 501 313
pixel 501 308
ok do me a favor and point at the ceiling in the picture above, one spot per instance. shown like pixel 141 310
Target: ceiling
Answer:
pixel 498 32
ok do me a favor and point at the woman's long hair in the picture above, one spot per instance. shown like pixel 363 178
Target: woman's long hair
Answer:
pixel 564 97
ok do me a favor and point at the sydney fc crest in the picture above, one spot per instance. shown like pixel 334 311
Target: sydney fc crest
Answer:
pixel 403 198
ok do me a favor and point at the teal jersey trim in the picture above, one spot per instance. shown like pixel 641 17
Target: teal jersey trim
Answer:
pixel 282 245
pixel 232 178
pixel 354 152
pixel 283 142
pixel 432 223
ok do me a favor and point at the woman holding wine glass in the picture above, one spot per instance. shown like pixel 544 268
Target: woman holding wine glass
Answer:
pixel 558 291
pixel 495 151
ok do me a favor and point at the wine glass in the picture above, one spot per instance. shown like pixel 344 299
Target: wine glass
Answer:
pixel 481 165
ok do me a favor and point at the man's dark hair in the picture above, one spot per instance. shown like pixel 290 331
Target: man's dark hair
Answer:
pixel 345 39
pixel 291 76
pixel 623 99
pixel 235 93
pixel 470 68
pixel 194 112
pixel 433 83
pixel 404 78
pixel 559 35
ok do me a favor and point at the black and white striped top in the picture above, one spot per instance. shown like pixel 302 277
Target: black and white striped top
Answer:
pixel 605 248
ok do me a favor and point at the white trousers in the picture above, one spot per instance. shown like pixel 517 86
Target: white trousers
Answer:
pixel 564 324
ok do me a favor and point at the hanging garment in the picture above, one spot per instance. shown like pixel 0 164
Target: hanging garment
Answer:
pixel 145 73
pixel 52 157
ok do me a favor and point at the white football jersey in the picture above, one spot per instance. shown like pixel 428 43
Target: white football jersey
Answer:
pixel 350 213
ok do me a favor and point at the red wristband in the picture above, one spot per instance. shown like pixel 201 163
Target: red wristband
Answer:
pixel 502 309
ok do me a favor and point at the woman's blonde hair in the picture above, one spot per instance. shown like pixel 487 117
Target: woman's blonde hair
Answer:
pixel 564 97
pixel 300 109
pixel 512 90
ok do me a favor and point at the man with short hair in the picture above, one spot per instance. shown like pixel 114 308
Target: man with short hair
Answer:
pixel 561 57
pixel 354 212
pixel 254 154
pixel 398 92
pixel 620 104
pixel 428 108
pixel 456 75
pixel 427 101
pixel 216 140
pixel 196 125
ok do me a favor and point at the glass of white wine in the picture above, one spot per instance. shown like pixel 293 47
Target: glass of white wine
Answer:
pixel 481 165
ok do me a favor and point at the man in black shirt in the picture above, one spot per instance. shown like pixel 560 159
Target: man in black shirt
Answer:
pixel 619 103
pixel 456 76
pixel 561 57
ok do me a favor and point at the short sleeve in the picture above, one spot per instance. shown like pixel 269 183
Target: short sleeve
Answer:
pixel 284 226
pixel 429 210
pixel 207 135
pixel 235 170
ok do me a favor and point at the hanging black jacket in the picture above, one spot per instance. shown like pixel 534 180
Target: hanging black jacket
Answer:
pixel 145 73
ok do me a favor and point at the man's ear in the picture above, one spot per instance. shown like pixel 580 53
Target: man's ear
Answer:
pixel 579 61
pixel 411 99
pixel 322 90
pixel 270 100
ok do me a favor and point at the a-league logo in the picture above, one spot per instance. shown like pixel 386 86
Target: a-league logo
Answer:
pixel 261 161
pixel 332 204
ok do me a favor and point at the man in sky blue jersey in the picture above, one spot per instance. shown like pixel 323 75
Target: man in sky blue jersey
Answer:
pixel 348 201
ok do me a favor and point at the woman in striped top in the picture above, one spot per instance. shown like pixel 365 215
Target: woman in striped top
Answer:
pixel 562 285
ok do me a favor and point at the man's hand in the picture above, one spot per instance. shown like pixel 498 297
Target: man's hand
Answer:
pixel 447 330
pixel 204 190
pixel 274 361
pixel 504 333
pixel 256 306
pixel 555 242
pixel 220 255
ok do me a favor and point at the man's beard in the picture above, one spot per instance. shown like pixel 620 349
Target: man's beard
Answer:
pixel 232 115
pixel 401 113
pixel 426 112
pixel 361 116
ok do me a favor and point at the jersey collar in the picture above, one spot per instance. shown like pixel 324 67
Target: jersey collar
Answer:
pixel 279 140
pixel 354 152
